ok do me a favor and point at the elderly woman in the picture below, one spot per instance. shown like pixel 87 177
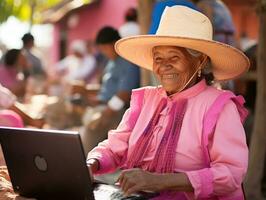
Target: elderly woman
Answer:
pixel 183 139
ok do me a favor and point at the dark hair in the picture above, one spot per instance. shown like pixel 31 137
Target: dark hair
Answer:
pixel 131 14
pixel 11 57
pixel 107 35
pixel 209 77
pixel 28 37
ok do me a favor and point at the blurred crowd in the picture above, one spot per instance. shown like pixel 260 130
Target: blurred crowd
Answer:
pixel 88 90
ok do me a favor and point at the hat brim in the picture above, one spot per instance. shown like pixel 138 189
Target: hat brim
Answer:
pixel 227 62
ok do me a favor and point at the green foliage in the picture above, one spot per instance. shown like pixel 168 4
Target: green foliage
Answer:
pixel 8 7
pixel 23 9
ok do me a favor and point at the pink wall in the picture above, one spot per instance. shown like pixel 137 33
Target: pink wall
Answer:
pixel 244 16
pixel 106 12
pixel 54 51
pixel 245 19
pixel 90 19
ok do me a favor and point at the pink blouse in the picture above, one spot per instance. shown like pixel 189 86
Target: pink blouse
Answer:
pixel 228 149
pixel 9 77
pixel 7 99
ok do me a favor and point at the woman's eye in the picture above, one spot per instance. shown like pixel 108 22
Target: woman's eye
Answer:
pixel 174 58
pixel 158 59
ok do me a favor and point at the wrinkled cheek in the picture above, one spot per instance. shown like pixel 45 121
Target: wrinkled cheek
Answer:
pixel 185 74
pixel 182 66
pixel 182 79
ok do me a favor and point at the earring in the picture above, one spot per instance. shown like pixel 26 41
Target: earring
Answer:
pixel 199 73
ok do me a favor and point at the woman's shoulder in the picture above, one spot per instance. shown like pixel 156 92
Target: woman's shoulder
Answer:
pixel 210 94
pixel 146 89
pixel 213 91
pixel 216 100
pixel 141 94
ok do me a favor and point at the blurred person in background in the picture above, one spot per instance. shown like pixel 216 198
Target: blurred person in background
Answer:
pixel 74 71
pixel 77 66
pixel 7 104
pixel 101 59
pixel 13 89
pixel 99 63
pixel 131 26
pixel 11 113
pixel 11 76
pixel 107 107
pixel 35 73
pixel 35 64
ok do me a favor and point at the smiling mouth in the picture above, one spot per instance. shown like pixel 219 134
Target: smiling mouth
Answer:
pixel 169 76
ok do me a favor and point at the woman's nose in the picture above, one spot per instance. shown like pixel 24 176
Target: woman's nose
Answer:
pixel 165 65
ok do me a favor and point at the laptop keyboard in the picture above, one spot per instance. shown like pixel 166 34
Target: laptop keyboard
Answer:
pixel 109 192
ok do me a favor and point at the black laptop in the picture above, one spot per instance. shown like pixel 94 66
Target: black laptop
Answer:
pixel 49 164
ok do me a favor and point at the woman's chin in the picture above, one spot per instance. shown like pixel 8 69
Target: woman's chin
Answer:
pixel 171 90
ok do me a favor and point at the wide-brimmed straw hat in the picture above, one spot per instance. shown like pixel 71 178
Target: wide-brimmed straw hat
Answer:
pixel 185 27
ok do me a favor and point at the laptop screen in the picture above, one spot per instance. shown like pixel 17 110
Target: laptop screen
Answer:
pixel 46 164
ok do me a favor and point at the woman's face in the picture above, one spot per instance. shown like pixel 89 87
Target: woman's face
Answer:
pixel 174 66
pixel 108 50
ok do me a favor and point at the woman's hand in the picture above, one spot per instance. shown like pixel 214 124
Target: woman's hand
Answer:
pixel 93 166
pixel 135 180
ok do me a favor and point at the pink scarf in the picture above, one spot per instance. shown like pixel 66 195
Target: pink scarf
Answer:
pixel 164 159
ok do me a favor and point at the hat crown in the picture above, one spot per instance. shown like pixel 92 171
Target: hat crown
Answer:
pixel 181 21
